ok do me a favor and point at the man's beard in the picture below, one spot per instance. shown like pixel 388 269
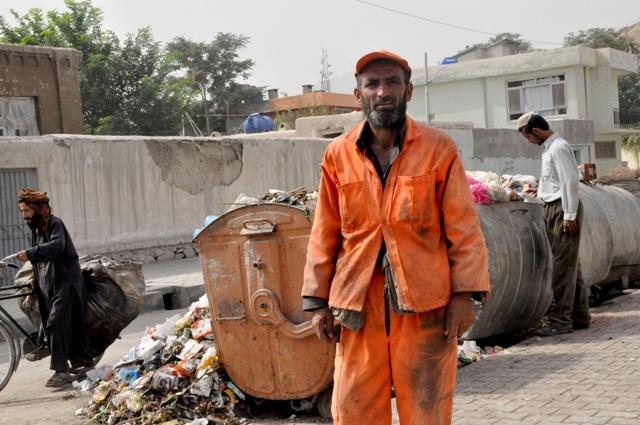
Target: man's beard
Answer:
pixel 384 118
pixel 35 222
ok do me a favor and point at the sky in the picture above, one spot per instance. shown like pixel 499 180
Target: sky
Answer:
pixel 287 36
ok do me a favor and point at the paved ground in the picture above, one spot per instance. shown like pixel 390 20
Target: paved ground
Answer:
pixel 588 377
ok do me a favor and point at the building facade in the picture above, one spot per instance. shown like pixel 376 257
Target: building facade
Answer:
pixel 573 83
pixel 39 90
pixel 285 110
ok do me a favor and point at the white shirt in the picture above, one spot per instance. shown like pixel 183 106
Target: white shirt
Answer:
pixel 559 176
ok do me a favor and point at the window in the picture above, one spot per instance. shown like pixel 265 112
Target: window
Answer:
pixel 18 116
pixel 606 150
pixel 343 111
pixel 581 153
pixel 545 95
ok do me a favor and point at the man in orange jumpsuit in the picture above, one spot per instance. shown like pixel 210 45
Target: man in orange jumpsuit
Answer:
pixel 395 256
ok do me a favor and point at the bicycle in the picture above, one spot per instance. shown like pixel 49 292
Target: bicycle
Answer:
pixel 11 333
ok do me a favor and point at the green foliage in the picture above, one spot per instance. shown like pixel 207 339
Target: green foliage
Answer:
pixel 141 98
pixel 597 38
pixel 629 92
pixel 521 46
pixel 214 67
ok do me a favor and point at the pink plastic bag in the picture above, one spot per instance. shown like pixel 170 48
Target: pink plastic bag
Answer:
pixel 479 191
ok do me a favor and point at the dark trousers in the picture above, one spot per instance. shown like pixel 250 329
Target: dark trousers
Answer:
pixel 570 294
pixel 60 311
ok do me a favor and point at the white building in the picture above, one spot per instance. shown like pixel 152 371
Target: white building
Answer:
pixel 568 83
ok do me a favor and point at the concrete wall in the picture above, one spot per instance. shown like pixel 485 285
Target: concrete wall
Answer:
pixel 121 194
pixel 452 102
pixel 50 76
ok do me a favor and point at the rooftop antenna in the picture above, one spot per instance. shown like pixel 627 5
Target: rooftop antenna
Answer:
pixel 325 85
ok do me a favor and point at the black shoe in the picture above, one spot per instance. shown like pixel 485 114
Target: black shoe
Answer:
pixel 581 325
pixel 38 354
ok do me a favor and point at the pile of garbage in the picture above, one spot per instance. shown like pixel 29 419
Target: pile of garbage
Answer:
pixel 487 187
pixel 171 377
pixel 469 352
pixel 300 198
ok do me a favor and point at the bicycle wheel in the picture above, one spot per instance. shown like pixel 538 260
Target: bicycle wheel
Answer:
pixel 8 356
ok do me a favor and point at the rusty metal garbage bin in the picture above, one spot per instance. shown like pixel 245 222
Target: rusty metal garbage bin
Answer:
pixel 252 261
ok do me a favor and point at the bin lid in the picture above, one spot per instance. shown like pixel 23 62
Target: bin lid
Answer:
pixel 253 262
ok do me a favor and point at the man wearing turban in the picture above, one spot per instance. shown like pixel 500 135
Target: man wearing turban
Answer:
pixel 59 286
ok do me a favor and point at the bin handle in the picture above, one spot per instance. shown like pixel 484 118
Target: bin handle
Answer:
pixel 266 308
pixel 257 227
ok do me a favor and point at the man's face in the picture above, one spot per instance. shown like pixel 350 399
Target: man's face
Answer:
pixel 533 137
pixel 26 212
pixel 383 94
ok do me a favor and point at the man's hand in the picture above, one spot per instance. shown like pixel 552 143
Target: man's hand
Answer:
pixel 22 256
pixel 323 324
pixel 527 189
pixel 460 316
pixel 570 227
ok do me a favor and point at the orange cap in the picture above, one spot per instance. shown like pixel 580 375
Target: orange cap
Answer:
pixel 381 54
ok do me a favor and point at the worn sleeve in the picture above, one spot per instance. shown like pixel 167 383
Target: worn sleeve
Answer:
pixel 50 250
pixel 465 242
pixel 313 303
pixel 567 169
pixel 326 236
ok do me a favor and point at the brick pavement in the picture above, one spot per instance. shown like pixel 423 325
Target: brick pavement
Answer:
pixel 591 376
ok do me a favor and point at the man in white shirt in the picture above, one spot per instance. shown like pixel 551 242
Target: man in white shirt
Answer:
pixel 558 188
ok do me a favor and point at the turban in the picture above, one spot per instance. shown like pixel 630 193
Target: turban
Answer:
pixel 31 196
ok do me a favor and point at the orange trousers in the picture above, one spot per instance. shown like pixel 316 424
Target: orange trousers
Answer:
pixel 415 358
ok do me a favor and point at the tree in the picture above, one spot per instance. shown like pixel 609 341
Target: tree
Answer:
pixel 213 68
pixel 597 38
pixel 521 45
pixel 33 29
pixel 146 101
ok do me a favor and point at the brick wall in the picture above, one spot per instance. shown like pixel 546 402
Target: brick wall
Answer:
pixel 50 76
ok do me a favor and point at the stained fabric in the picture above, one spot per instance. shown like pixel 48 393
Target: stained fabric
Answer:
pixel 61 294
pixel 413 357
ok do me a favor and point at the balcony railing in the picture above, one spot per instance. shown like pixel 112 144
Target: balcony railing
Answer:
pixel 625 119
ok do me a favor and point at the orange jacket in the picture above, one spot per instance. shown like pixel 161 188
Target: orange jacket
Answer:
pixel 425 214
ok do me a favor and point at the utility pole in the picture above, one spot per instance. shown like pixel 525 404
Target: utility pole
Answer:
pixel 226 102
pixel 206 108
pixel 427 107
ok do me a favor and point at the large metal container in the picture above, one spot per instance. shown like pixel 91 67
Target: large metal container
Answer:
pixel 612 227
pixel 253 260
pixel 519 268
pixel 632 186
pixel 596 238
pixel 622 211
